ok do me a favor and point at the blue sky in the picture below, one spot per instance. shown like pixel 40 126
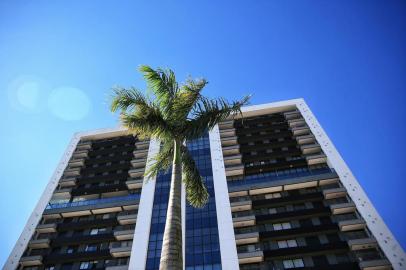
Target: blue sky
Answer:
pixel 59 60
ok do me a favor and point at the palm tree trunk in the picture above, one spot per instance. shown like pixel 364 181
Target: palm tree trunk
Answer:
pixel 172 254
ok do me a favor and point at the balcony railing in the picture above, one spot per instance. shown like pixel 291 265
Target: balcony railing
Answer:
pixel 93 202
pixel 277 175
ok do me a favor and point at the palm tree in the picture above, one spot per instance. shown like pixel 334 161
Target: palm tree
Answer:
pixel 173 113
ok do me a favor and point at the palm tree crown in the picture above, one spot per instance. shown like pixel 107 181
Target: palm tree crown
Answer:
pixel 173 113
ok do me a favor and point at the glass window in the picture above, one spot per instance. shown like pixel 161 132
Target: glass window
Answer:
pixel 88 265
pixel 90 248
pixel 84 265
pixel 281 226
pixel 296 263
pixel 287 243
pixel 272 211
pixel 287 264
pixel 286 225
pixel 277 226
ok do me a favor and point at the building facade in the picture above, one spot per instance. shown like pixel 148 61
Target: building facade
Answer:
pixel 281 197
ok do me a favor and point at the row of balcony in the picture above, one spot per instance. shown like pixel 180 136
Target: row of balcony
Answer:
pixel 270 184
pixel 96 206
pixel 123 218
pixel 231 149
pixel 116 250
pixel 138 163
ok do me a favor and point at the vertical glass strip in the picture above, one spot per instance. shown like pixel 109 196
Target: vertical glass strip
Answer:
pixel 202 240
pixel 159 209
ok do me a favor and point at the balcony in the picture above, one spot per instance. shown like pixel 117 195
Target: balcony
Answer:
pixel 97 206
pixel 304 250
pixel 76 162
pixel 244 221
pixel 63 193
pixel 250 257
pixel 84 145
pixel 342 208
pixel 351 225
pixel 86 224
pixel 134 183
pixel 80 154
pixel 297 214
pixel 124 219
pixel 238 193
pixel 231 150
pixel 295 198
pixel 364 243
pixel 291 115
pixel 296 122
pixel 333 193
pixel 316 159
pixel 67 181
pixel 57 258
pixel 142 153
pixel 111 189
pixel 81 239
pixel 142 145
pixel 232 160
pixel 278 179
pixel 380 264
pixel 229 132
pixel 247 238
pixel 137 172
pixel 118 251
pixel 308 149
pixel 138 163
pixel 226 124
pixel 71 171
pixel 303 230
pixel 241 206
pixel 303 130
pixel 305 139
pixel 234 170
pixel 229 141
pixel 124 234
pixel 31 260
pixel 46 228
pixel 39 243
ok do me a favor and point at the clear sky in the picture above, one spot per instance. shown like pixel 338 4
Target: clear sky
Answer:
pixel 59 60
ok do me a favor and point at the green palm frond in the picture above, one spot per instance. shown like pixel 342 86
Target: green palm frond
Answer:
pixel 186 98
pixel 125 99
pixel 163 85
pixel 209 112
pixel 196 191
pixel 161 161
pixel 146 122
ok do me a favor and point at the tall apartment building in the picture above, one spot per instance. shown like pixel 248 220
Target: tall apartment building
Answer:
pixel 281 197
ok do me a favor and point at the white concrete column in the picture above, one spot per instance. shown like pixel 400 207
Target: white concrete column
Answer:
pixel 228 249
pixel 139 250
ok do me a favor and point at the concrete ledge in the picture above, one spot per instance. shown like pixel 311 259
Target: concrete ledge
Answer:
pixel 244 221
pixel 364 243
pixel 250 257
pixel 247 238
pixel 375 265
